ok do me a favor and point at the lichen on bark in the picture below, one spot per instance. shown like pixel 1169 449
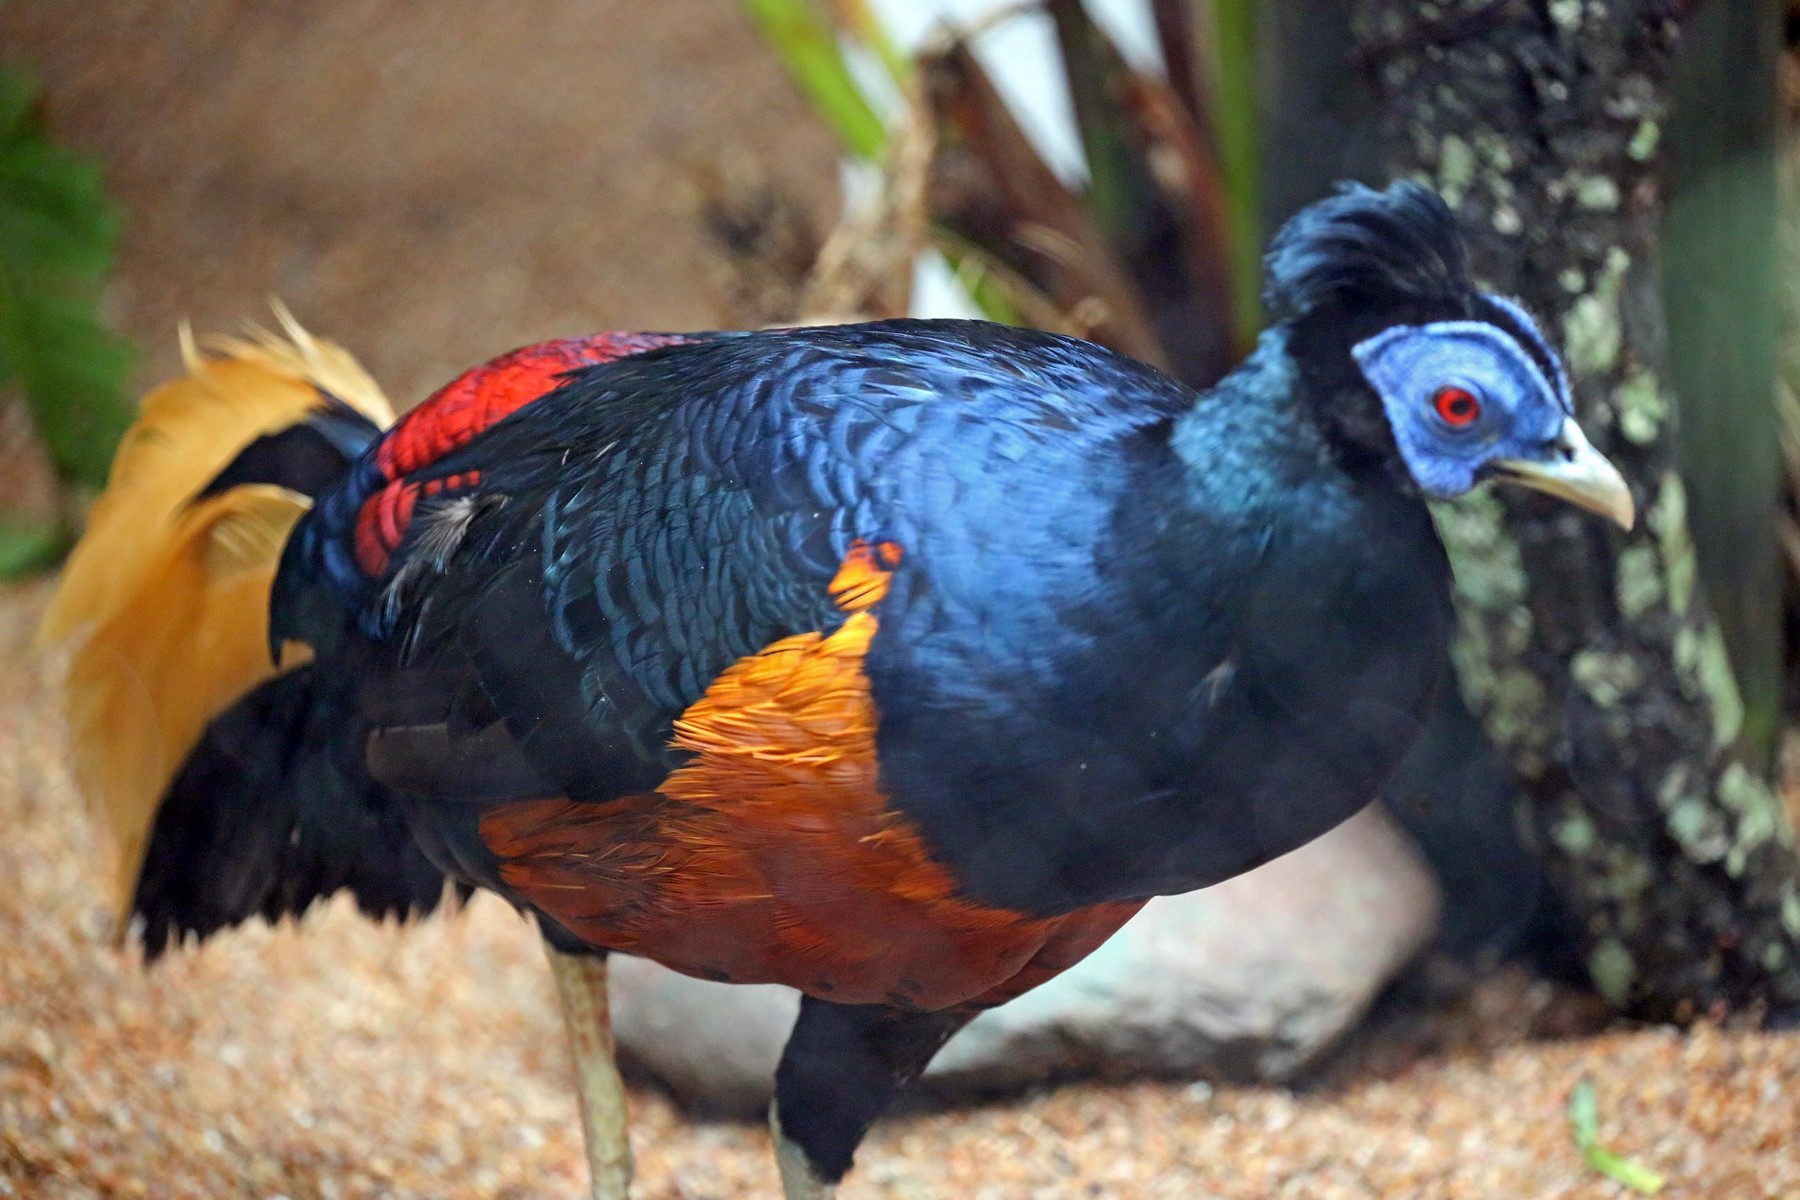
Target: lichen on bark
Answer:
pixel 1591 657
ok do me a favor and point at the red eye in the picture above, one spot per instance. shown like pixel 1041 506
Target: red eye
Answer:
pixel 1457 406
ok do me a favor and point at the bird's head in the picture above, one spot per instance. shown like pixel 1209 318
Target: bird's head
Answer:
pixel 1459 382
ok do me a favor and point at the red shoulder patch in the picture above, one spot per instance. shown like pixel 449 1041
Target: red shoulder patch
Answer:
pixel 453 415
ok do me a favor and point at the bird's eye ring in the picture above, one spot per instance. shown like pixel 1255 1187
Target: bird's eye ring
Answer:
pixel 1457 407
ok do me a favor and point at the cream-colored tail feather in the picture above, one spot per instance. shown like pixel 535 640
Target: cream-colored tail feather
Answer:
pixel 165 598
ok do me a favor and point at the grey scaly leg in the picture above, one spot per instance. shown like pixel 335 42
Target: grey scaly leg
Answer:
pixel 581 984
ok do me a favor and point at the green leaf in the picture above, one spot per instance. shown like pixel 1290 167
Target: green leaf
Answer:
pixel 1235 126
pixel 1584 1114
pixel 74 372
pixel 807 44
pixel 28 548
pixel 57 234
pixel 865 26
pixel 988 293
pixel 1633 1175
pixel 1584 1127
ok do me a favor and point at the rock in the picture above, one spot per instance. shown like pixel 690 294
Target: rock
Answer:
pixel 714 1046
pixel 1251 979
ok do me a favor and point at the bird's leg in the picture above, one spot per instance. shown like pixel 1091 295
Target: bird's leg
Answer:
pixel 581 984
pixel 800 1180
pixel 843 1065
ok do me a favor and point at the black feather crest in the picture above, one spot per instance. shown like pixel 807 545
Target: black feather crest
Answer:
pixel 1400 246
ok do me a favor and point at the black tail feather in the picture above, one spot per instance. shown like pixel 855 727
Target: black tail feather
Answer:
pixel 273 810
pixel 305 458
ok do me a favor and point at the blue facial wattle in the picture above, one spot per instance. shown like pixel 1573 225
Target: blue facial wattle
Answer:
pixel 1521 410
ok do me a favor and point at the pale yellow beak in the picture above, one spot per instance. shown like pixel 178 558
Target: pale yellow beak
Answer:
pixel 1578 473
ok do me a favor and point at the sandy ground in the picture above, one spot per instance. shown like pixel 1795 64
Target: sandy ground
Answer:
pixel 340 1059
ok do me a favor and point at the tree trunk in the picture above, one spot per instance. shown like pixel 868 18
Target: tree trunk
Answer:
pixel 1592 658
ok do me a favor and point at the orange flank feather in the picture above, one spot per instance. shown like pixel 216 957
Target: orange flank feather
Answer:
pixel 773 855
pixel 164 601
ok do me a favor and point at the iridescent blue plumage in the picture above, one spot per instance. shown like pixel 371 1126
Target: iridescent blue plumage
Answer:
pixel 1130 640
pixel 1142 640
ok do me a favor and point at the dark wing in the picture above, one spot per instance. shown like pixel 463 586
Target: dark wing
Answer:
pixel 659 518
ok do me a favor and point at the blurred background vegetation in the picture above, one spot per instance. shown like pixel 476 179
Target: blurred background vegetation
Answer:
pixel 67 370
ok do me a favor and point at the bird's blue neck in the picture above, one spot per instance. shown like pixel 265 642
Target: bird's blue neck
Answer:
pixel 1254 433
pixel 1276 458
